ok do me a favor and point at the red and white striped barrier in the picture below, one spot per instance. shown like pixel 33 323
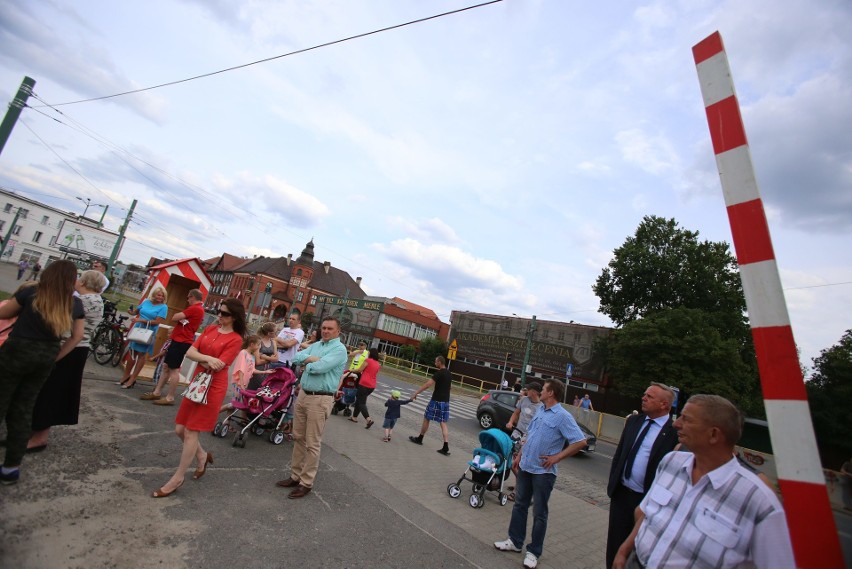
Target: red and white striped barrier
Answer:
pixel 809 516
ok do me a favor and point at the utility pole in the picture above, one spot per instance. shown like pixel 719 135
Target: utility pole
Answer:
pixel 9 233
pixel 15 107
pixel 527 352
pixel 121 231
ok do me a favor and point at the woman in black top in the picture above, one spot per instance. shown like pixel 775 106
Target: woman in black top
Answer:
pixel 46 311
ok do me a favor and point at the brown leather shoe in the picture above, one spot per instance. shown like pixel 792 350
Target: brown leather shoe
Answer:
pixel 299 492
pixel 288 483
pixel 150 396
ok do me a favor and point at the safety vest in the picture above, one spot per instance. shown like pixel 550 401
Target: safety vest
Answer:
pixel 357 360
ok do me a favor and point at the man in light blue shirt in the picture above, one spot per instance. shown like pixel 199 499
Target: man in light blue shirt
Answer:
pixel 553 435
pixel 324 362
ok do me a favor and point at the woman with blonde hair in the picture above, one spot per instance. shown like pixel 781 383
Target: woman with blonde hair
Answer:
pixel 46 311
pixel 150 314
pixel 58 402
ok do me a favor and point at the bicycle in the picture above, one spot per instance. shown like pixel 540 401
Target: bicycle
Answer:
pixel 108 339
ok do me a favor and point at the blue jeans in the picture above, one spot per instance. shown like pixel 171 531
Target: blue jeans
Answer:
pixel 536 487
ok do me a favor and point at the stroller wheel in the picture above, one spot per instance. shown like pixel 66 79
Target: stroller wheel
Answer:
pixel 504 498
pixel 335 410
pixel 276 437
pixel 347 412
pixel 258 430
pixel 454 490
pixel 476 501
pixel 239 441
pixel 223 430
pixel 215 432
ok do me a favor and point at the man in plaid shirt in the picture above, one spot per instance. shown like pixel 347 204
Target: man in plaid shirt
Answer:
pixel 704 509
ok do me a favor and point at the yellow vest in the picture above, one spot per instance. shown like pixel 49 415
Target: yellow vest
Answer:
pixel 356 361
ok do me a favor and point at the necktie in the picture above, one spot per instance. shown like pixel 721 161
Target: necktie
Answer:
pixel 628 469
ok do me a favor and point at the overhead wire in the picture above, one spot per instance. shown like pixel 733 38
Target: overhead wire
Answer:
pixel 288 54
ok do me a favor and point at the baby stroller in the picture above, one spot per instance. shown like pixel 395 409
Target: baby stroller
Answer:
pixel 488 469
pixel 350 388
pixel 264 408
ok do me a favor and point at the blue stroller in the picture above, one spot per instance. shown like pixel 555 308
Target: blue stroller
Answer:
pixel 488 469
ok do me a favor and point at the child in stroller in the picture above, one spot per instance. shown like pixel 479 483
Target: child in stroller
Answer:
pixel 488 469
pixel 348 387
pixel 265 408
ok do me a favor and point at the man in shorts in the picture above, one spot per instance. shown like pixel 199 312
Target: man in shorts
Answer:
pixel 185 325
pixel 439 406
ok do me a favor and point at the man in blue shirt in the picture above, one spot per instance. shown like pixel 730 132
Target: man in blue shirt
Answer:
pixel 553 435
pixel 324 362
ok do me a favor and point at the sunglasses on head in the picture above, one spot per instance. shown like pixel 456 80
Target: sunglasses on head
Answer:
pixel 223 313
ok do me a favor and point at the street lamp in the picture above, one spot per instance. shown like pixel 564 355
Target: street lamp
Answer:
pixel 527 352
pixel 505 362
pixel 88 203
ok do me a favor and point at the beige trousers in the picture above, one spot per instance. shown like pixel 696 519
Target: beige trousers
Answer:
pixel 308 424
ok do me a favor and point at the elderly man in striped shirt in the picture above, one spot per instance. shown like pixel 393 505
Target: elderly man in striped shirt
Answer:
pixel 704 509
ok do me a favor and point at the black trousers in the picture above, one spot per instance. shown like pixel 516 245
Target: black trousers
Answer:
pixel 361 401
pixel 621 519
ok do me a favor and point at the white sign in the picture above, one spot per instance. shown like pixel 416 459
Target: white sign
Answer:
pixel 78 238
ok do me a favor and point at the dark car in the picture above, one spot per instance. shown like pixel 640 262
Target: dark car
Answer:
pixel 496 408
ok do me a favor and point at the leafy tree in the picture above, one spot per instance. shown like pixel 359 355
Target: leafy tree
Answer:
pixel 665 266
pixel 430 348
pixel 407 352
pixel 681 347
pixel 830 394
pixel 307 320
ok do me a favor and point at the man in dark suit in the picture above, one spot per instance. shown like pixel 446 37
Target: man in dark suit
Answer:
pixel 646 438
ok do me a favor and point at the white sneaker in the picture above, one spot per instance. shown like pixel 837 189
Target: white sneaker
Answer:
pixel 507 546
pixel 530 561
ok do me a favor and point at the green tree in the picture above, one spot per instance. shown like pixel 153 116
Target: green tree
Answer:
pixel 683 348
pixel 830 394
pixel 407 352
pixel 665 266
pixel 430 348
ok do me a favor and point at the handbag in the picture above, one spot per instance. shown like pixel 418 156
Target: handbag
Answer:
pixel 141 335
pixel 198 387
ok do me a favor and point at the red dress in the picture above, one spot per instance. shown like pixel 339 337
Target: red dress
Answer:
pixel 225 347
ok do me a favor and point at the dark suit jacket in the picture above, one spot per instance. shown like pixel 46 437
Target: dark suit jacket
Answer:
pixel 666 441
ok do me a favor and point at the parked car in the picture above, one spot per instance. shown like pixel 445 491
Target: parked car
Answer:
pixel 496 408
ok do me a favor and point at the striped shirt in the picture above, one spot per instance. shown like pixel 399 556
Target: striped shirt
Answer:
pixel 549 429
pixel 728 519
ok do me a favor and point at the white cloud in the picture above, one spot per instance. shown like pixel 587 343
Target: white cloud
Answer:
pixel 652 153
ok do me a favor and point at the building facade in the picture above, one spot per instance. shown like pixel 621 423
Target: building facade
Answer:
pixel 38 233
pixel 491 346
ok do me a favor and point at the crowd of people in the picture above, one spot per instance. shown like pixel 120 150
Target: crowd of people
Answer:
pixel 679 495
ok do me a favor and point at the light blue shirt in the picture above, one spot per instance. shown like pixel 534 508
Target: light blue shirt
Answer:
pixel 549 430
pixel 323 375
pixel 640 463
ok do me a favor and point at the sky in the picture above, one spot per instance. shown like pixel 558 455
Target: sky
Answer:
pixel 490 160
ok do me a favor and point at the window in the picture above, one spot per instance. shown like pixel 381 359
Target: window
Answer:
pixel 23 212
pixel 561 335
pixel 8 208
pixel 44 220
pixel 301 295
pixel 314 300
pixel 37 236
pixel 16 230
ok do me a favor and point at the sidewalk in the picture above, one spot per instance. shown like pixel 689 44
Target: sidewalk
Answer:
pixel 85 500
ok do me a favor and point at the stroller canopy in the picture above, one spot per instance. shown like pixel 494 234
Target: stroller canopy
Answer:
pixel 497 442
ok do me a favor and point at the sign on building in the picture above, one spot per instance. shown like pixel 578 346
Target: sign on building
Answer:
pixel 80 239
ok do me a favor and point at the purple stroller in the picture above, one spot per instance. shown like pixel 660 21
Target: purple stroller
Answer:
pixel 261 409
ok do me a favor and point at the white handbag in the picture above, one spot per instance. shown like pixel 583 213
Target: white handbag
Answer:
pixel 198 387
pixel 141 335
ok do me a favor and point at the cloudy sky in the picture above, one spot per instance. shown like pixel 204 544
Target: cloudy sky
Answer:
pixel 489 160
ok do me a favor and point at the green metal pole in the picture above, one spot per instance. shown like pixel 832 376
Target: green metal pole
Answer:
pixel 9 233
pixel 527 352
pixel 101 222
pixel 15 107
pixel 121 231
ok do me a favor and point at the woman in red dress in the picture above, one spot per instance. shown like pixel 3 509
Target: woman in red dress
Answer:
pixel 214 351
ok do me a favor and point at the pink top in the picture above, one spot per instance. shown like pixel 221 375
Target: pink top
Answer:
pixel 245 364
pixel 369 373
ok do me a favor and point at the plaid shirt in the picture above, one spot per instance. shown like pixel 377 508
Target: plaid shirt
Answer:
pixel 730 517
